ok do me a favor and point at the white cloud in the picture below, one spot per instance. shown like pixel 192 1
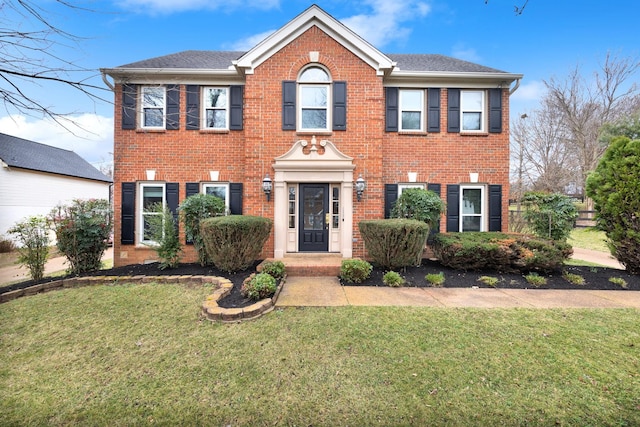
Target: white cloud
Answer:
pixel 171 6
pixel 251 41
pixel 91 137
pixel 384 24
pixel 531 91
pixel 463 52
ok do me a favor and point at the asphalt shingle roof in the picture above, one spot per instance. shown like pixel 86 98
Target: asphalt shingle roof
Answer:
pixel 22 153
pixel 222 60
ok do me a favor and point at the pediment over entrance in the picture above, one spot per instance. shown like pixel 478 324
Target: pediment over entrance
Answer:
pixel 314 154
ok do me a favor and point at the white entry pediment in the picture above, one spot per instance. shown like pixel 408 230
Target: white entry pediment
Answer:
pixel 323 155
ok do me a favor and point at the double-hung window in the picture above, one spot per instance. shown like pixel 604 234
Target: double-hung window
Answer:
pixel 472 107
pixel 219 190
pixel 314 94
pixel 472 208
pixel 411 110
pixel 154 99
pixel 152 195
pixel 216 110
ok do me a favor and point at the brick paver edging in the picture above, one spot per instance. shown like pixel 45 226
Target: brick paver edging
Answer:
pixel 210 308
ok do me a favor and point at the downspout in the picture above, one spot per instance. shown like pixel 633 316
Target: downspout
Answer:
pixel 515 88
pixel 107 82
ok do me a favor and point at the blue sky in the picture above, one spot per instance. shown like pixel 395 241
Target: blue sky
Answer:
pixel 549 39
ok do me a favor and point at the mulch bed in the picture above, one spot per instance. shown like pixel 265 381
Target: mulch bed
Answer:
pixel 596 278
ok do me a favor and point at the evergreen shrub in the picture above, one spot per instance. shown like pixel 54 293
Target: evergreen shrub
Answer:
pixel 394 243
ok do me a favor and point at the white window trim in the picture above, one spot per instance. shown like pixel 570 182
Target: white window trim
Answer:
pixel 482 111
pixel 141 213
pixel 483 208
pixel 164 107
pixel 400 110
pixel 404 186
pixel 205 185
pixel 205 108
pixel 300 107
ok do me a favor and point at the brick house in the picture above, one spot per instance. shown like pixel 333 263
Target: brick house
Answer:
pixel 310 114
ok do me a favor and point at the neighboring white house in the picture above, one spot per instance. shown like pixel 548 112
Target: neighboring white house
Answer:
pixel 35 178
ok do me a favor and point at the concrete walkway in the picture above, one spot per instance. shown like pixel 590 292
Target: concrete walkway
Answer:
pixel 327 292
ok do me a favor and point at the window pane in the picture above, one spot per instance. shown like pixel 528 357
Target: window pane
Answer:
pixel 314 96
pixel 314 119
pixel 411 100
pixel 153 117
pixel 471 121
pixel 472 201
pixel 217 119
pixel 215 97
pixel 151 195
pixel 218 191
pixel 153 97
pixel 471 101
pixel 314 74
pixel 471 223
pixel 410 120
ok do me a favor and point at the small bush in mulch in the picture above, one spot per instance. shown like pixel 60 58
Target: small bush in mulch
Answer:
pixel 502 252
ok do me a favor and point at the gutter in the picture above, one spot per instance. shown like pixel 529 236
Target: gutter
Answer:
pixel 515 88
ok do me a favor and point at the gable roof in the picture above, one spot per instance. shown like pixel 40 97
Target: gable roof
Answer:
pixel 22 153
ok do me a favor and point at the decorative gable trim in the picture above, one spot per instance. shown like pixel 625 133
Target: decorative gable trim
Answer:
pixel 315 16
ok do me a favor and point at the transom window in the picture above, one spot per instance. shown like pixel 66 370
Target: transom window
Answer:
pixel 219 190
pixel 314 99
pixel 472 104
pixel 152 195
pixel 153 107
pixel 216 111
pixel 472 209
pixel 411 110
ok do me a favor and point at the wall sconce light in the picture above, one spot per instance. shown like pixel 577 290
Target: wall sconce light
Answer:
pixel 267 186
pixel 360 186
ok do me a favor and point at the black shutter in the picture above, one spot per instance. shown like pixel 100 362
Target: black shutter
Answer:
pixel 339 105
pixel 453 208
pixel 193 107
pixel 433 110
pixel 235 198
pixel 173 107
pixel 128 214
pixel 236 107
pixel 390 197
pixel 289 105
pixel 453 115
pixel 129 97
pixel 495 110
pixel 435 227
pixel 495 208
pixel 171 191
pixel 391 116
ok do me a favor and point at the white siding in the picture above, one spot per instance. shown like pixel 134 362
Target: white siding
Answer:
pixel 25 193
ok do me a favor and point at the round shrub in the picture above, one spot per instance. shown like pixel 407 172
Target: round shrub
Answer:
pixel 258 286
pixel 419 204
pixel 393 279
pixel 275 269
pixel 355 270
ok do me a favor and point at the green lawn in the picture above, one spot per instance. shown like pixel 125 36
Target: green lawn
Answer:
pixel 132 355
pixel 588 238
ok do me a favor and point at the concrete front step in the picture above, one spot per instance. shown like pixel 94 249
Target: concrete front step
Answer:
pixel 312 265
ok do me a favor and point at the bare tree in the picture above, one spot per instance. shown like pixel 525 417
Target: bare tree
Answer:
pixel 29 54
pixel 585 106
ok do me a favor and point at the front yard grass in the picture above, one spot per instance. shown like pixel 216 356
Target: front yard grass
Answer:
pixel 131 355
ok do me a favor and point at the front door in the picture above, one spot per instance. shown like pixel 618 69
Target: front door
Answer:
pixel 314 218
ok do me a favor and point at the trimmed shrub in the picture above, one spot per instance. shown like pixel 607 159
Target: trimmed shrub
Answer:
pixel 163 230
pixel 503 252
pixel 32 234
pixel 258 286
pixel 82 231
pixel 613 186
pixel 355 270
pixel 394 243
pixel 274 269
pixel 419 204
pixel 393 279
pixel 195 209
pixel 234 242
pixel 550 215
